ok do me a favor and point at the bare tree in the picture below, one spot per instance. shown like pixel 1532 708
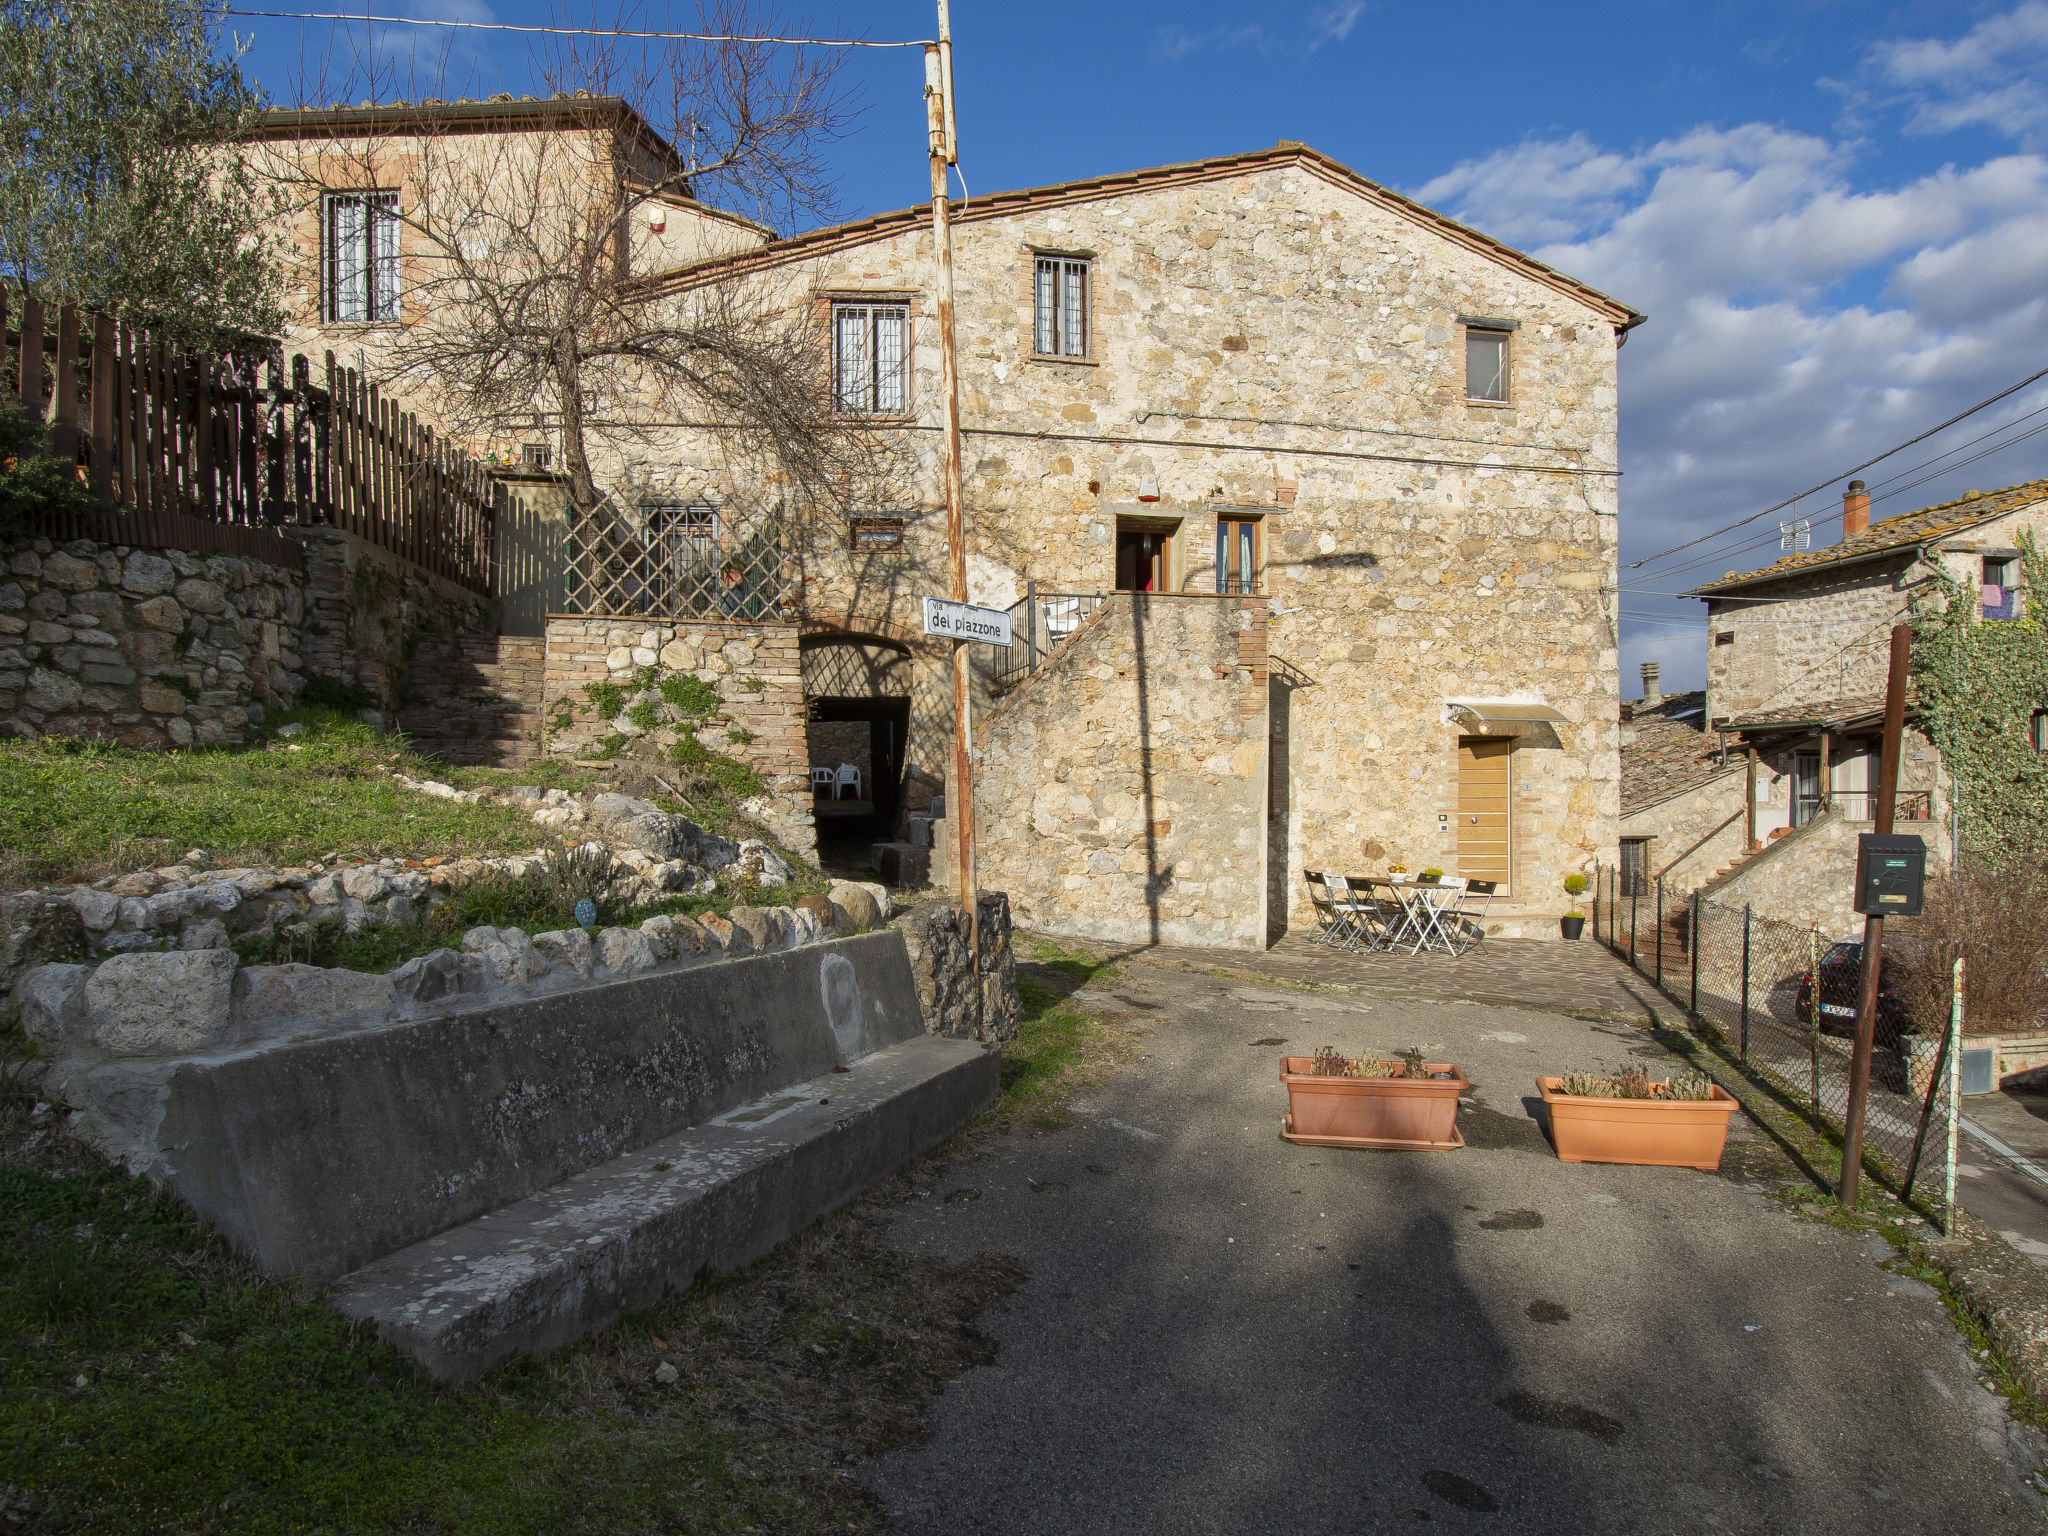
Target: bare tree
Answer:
pixel 525 254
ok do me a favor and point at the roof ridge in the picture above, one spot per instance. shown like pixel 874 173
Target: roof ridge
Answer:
pixel 999 204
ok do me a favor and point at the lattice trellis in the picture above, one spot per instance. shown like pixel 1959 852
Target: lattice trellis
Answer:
pixel 681 560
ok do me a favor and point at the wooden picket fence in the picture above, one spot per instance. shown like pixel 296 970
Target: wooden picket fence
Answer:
pixel 214 454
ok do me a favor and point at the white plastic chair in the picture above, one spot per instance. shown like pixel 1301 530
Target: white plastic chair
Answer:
pixel 821 780
pixel 847 775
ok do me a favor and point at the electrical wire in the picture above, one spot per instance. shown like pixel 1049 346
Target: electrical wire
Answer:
pixel 2005 427
pixel 507 26
pixel 1815 490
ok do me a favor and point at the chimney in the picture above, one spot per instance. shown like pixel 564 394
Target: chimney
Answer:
pixel 1855 509
pixel 1652 697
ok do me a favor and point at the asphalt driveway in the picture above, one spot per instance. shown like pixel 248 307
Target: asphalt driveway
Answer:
pixel 1224 1332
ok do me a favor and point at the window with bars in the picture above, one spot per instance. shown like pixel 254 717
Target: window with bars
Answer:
pixel 1237 554
pixel 1060 307
pixel 871 358
pixel 359 236
pixel 1486 365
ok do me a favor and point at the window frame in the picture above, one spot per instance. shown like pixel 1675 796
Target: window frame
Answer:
pixel 874 531
pixel 1505 335
pixel 2037 729
pixel 2007 606
pixel 380 207
pixel 1233 529
pixel 1062 265
pixel 843 310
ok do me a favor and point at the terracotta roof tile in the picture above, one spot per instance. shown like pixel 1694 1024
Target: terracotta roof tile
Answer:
pixel 1665 750
pixel 1908 528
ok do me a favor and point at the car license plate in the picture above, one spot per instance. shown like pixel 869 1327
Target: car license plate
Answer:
pixel 1840 1008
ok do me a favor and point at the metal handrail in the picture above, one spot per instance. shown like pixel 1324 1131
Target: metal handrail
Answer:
pixel 1039 621
pixel 1861 805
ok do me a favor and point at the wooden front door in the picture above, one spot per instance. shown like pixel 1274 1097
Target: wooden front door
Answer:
pixel 1485 849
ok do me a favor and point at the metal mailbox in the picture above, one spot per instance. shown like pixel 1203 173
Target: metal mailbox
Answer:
pixel 1891 874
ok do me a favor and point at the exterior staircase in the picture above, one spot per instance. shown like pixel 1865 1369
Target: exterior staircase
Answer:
pixel 475 699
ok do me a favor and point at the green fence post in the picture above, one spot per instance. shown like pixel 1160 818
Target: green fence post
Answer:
pixel 1745 981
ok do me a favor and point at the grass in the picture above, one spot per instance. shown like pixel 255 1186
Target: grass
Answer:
pixel 79 810
pixel 73 809
pixel 152 1381
pixel 1060 1050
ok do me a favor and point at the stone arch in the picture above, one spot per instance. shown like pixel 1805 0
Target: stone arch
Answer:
pixel 875 696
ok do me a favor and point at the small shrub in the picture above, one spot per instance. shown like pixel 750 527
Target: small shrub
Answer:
pixel 642 715
pixel 1690 1085
pixel 606 698
pixel 1996 920
pixel 689 696
pixel 1575 887
pixel 1412 1064
pixel 1369 1065
pixel 646 678
pixel 1432 873
pixel 1633 1082
pixel 611 746
pixel 1586 1085
pixel 729 774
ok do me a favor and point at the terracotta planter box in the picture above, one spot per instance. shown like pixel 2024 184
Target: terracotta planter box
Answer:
pixel 1658 1133
pixel 1419 1113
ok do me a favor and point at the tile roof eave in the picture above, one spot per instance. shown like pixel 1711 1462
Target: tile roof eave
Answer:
pixel 1004 204
pixel 1818 567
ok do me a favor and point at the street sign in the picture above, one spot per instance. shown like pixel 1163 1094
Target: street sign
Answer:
pixel 964 621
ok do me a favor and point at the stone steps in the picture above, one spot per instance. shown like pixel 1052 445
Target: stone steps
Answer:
pixel 476 699
pixel 549 1268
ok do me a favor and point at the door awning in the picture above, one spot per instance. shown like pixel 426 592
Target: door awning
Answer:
pixel 1489 716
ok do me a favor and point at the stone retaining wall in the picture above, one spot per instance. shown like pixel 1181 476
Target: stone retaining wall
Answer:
pixel 164 649
pixel 755 668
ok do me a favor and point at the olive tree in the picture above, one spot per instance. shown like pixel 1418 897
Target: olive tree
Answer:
pixel 114 193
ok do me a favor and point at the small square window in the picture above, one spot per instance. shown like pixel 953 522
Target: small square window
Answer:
pixel 359 256
pixel 877 533
pixel 1060 307
pixel 535 455
pixel 1725 637
pixel 1486 366
pixel 2037 730
pixel 871 358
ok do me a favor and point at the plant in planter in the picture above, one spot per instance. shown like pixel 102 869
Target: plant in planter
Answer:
pixel 1367 1101
pixel 1431 875
pixel 1627 1116
pixel 1574 921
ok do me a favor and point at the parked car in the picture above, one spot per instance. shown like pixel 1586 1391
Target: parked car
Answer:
pixel 1841 991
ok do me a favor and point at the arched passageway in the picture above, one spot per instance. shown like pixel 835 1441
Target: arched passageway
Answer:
pixel 857 691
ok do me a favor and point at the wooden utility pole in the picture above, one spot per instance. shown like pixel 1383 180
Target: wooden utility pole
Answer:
pixel 945 151
pixel 1873 925
pixel 1749 803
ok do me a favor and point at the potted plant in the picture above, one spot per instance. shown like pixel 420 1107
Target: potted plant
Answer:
pixel 1364 1101
pixel 1629 1117
pixel 1574 921
pixel 1429 876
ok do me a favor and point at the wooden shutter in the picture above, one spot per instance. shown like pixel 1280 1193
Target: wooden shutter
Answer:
pixel 1484 847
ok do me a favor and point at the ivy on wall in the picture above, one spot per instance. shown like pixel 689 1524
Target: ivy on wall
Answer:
pixel 1979 683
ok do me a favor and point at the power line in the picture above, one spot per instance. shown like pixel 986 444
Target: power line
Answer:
pixel 1831 479
pixel 506 26
pixel 1959 447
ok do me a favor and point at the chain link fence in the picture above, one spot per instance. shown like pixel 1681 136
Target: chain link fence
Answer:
pixel 1784 999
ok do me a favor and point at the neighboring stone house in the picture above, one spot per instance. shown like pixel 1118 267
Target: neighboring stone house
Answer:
pixel 1797 654
pixel 1375 446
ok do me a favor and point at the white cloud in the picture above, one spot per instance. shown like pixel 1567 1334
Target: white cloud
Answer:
pixel 1798 323
pixel 1989 77
pixel 1331 22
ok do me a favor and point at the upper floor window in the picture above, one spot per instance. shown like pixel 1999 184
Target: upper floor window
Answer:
pixel 2001 577
pixel 2037 730
pixel 534 456
pixel 359 255
pixel 1486 365
pixel 1237 554
pixel 871 358
pixel 1060 307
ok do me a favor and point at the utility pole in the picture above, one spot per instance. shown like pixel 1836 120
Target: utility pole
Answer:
pixel 1873 925
pixel 945 151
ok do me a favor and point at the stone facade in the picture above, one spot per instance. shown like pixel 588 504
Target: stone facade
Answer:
pixel 756 668
pixel 1805 878
pixel 160 648
pixel 1120 792
pixel 1276 341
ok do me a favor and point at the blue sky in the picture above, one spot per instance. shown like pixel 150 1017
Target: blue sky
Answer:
pixel 1835 214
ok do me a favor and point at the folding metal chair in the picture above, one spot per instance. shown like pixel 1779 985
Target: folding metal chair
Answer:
pixel 1367 921
pixel 1468 916
pixel 1324 905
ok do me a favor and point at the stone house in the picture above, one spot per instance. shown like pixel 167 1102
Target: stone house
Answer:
pixel 1303 499
pixel 1774 769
